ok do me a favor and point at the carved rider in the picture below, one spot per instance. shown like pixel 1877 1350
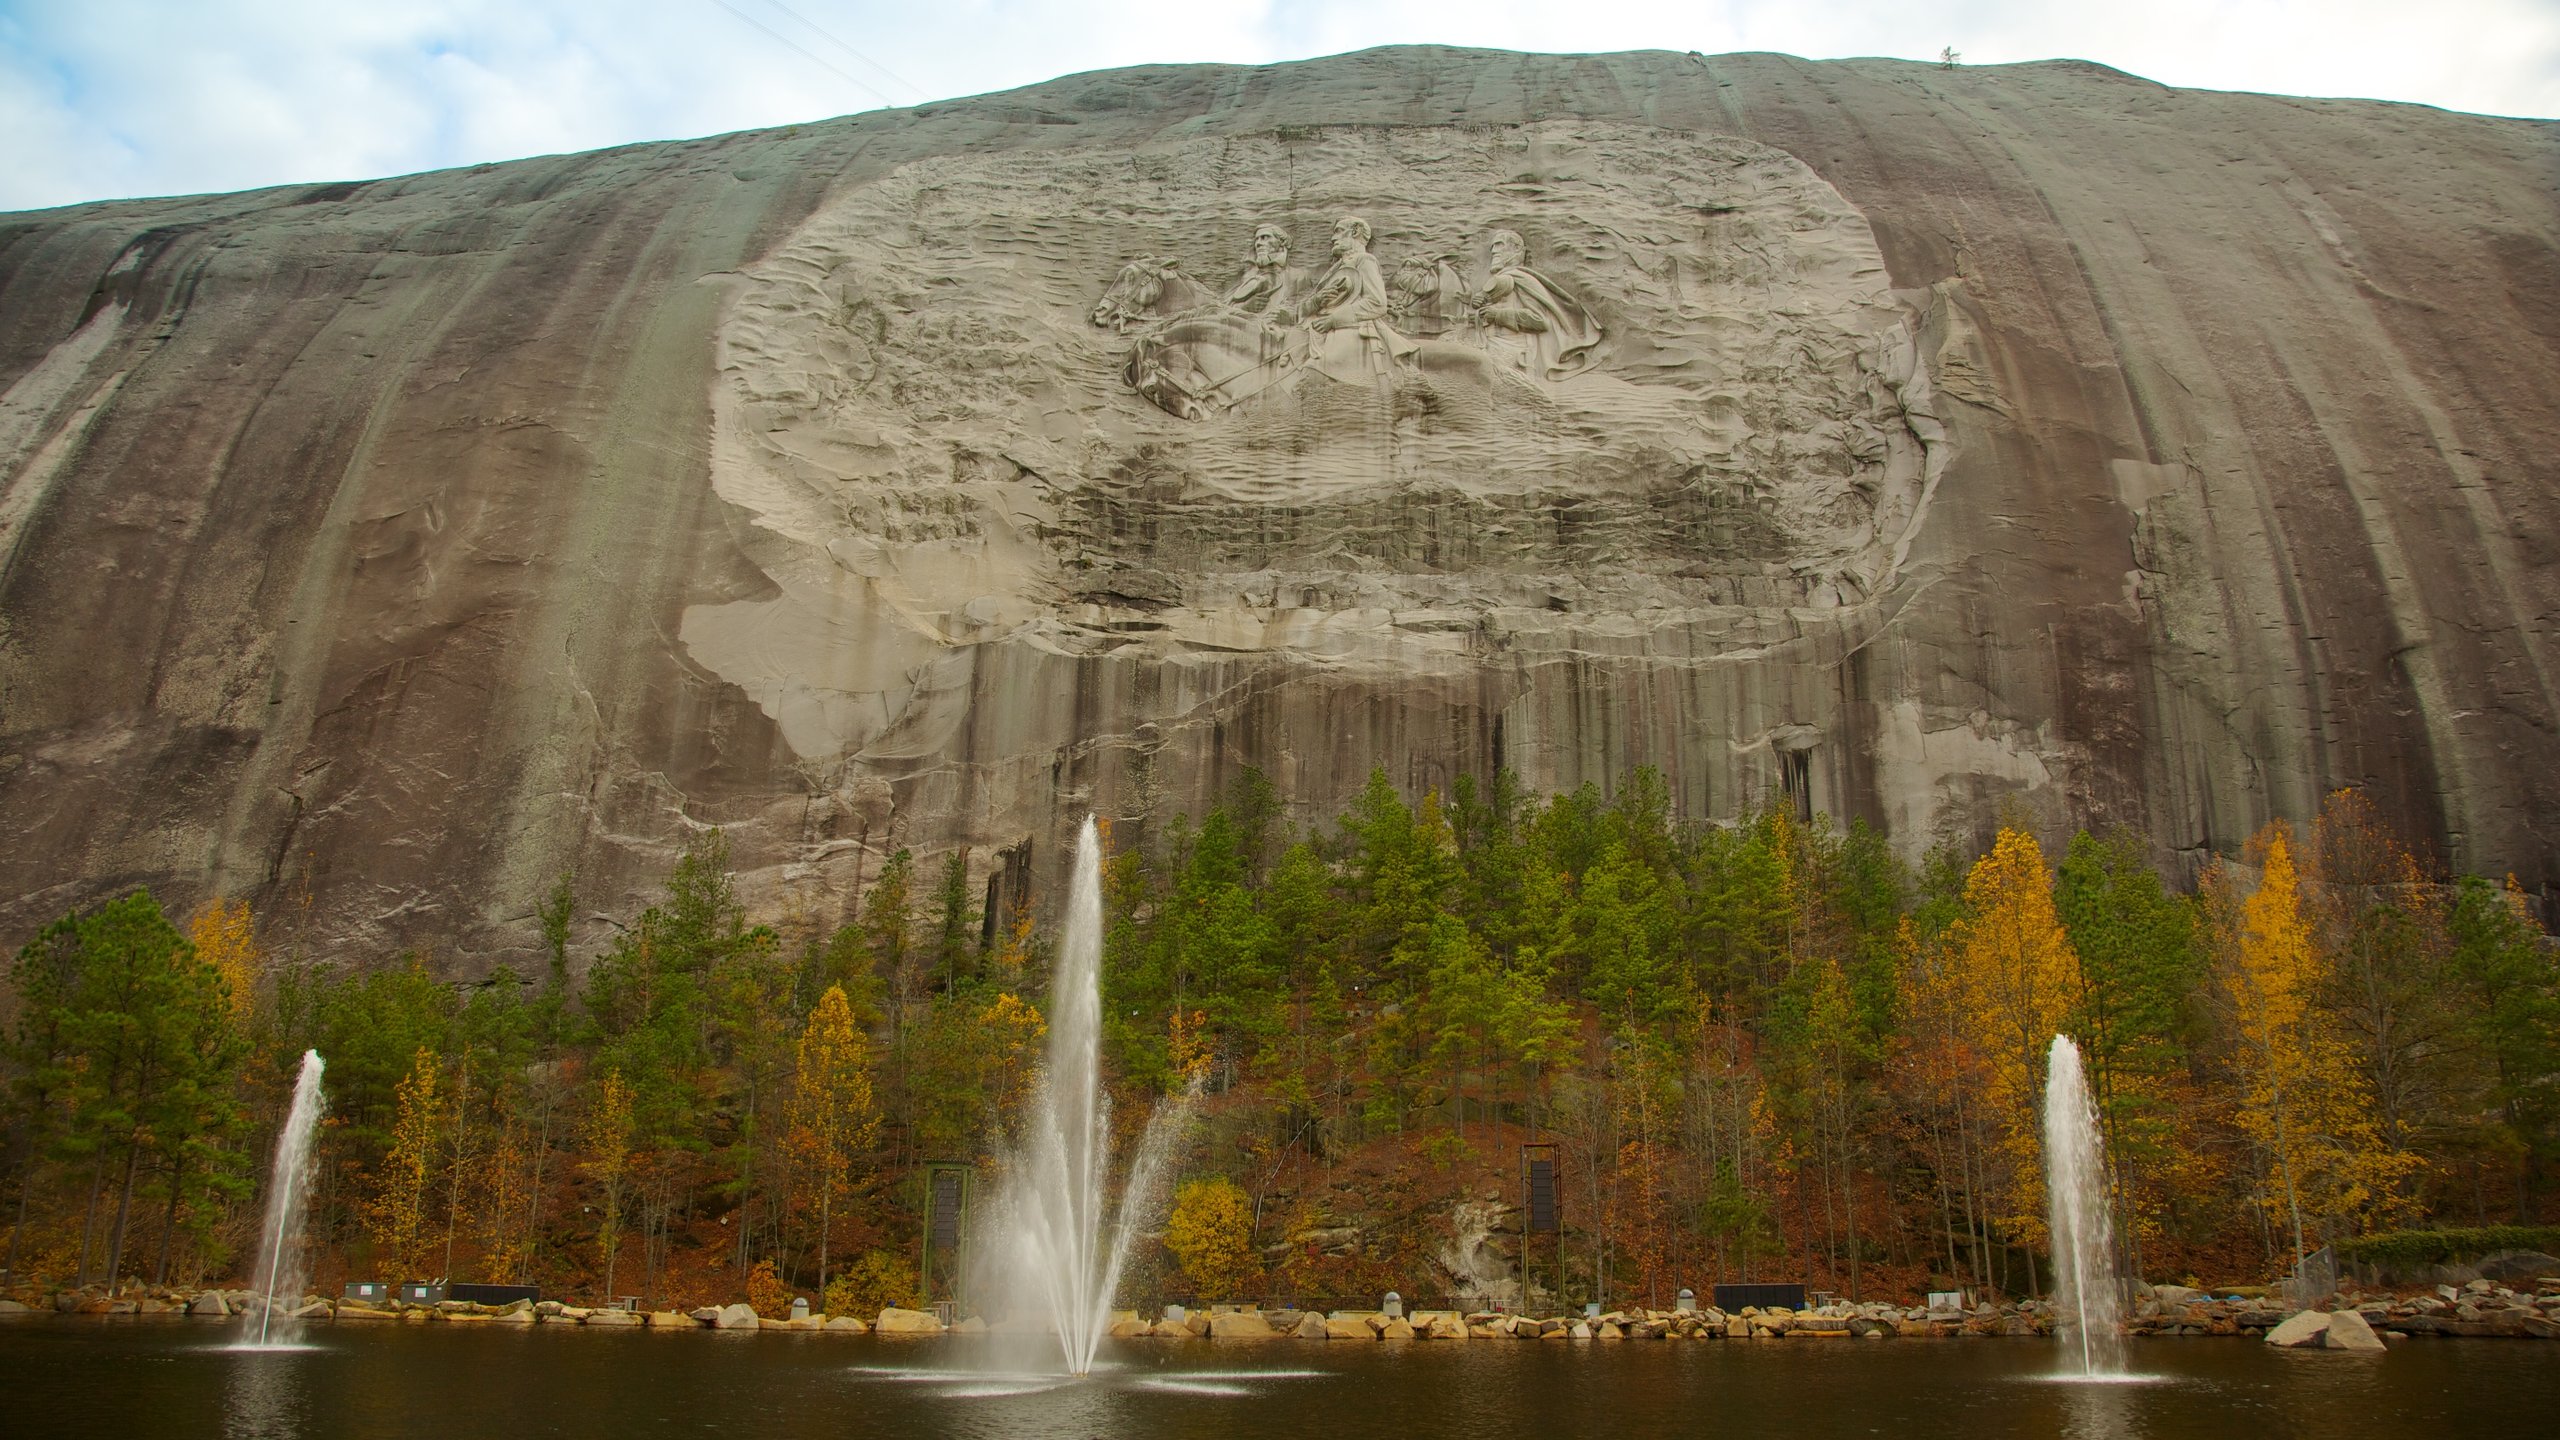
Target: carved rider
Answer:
pixel 1348 312
pixel 1528 320
pixel 1268 286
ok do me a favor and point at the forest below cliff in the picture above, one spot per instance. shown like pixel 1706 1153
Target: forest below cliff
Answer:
pixel 1766 1049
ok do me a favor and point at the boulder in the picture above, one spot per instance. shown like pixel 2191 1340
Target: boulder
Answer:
pixel 1609 1330
pixel 208 1303
pixel 743 1317
pixel 2511 1266
pixel 612 1319
pixel 1581 1330
pixel 2350 1331
pixel 1312 1326
pixel 970 1325
pixel 673 1320
pixel 1396 1329
pixel 1340 1326
pixel 707 1315
pixel 849 1325
pixel 895 1321
pixel 2306 1330
pixel 513 1315
pixel 1240 1325
pixel 1171 1330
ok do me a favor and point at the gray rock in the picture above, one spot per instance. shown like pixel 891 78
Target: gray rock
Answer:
pixel 2512 1266
pixel 1856 599
pixel 736 1317
pixel 2348 1330
pixel 2305 1330
pixel 209 1303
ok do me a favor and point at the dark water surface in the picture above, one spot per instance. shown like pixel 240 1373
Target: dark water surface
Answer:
pixel 142 1378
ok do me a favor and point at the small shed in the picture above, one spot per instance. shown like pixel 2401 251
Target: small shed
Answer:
pixel 372 1292
pixel 494 1294
pixel 1733 1298
pixel 421 1292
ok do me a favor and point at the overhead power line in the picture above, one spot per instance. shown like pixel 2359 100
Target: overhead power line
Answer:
pixel 831 38
pixel 854 80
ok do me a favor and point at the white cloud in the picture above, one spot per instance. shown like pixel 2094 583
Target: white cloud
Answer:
pixel 122 97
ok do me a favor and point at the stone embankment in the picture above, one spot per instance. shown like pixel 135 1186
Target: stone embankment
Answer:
pixel 2479 1308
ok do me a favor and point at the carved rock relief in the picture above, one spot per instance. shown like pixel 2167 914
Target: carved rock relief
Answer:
pixel 1574 387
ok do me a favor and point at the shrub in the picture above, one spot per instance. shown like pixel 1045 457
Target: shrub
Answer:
pixel 872 1284
pixel 766 1294
pixel 1211 1234
pixel 2446 1247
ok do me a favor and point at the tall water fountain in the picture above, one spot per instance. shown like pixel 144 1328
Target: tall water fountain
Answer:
pixel 282 1265
pixel 2084 1271
pixel 1060 1246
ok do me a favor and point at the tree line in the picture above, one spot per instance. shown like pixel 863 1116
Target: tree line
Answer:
pixel 1765 1048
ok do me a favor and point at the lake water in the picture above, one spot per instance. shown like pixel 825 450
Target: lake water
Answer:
pixel 173 1378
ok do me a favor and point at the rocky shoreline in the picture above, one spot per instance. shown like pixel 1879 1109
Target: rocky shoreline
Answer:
pixel 2479 1309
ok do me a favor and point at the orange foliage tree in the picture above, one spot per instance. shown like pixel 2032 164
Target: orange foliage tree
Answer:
pixel 224 939
pixel 2015 975
pixel 2299 1100
pixel 606 1138
pixel 399 1209
pixel 832 1117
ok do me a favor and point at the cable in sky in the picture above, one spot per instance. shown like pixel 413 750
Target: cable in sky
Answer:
pixel 830 37
pixel 858 83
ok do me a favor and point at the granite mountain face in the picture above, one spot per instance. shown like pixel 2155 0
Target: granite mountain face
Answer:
pixel 1901 442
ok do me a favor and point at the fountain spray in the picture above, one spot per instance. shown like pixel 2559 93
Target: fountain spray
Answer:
pixel 281 1262
pixel 1061 1252
pixel 2083 1237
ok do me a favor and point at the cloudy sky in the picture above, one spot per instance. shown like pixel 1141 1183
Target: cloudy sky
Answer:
pixel 103 98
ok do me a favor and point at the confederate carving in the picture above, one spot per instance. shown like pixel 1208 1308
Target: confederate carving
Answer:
pixel 1283 435
pixel 1195 356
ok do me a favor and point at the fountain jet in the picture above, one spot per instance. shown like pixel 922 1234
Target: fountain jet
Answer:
pixel 2084 1270
pixel 281 1262
pixel 1060 1253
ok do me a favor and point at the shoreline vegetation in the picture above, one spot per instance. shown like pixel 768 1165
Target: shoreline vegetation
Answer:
pixel 1763 1049
pixel 2477 1309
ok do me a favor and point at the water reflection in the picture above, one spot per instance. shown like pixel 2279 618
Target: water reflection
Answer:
pixel 262 1398
pixel 422 1382
pixel 2098 1412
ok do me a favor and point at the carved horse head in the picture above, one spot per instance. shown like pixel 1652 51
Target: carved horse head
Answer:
pixel 1146 291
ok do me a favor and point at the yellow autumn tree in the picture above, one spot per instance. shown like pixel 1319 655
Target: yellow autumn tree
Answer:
pixel 224 938
pixel 832 1117
pixel 1210 1233
pixel 505 1186
pixel 1011 1029
pixel 1188 1044
pixel 606 1140
pixel 398 1213
pixel 2015 974
pixel 2299 1098
pixel 1940 1079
